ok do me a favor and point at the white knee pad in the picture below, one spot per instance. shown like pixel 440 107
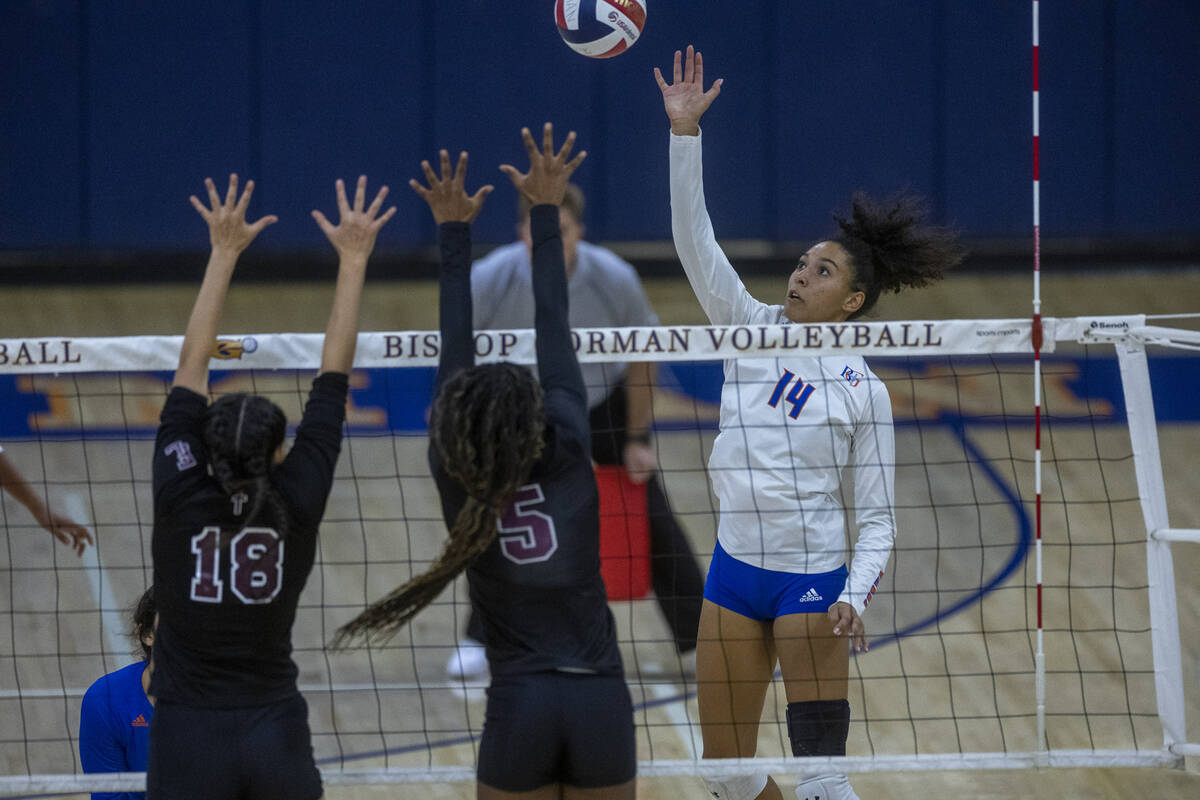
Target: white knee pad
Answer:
pixel 736 787
pixel 825 787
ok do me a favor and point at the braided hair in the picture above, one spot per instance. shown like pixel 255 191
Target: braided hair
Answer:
pixel 143 622
pixel 488 430
pixel 242 432
pixel 891 247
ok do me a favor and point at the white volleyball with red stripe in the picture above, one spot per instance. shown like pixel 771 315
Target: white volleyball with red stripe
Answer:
pixel 600 28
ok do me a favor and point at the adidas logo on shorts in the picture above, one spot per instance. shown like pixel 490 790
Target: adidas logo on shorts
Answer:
pixel 810 596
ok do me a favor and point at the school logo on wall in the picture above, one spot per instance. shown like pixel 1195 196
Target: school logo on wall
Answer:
pixel 234 348
pixel 851 376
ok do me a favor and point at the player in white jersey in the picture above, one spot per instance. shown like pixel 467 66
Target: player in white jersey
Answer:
pixel 795 433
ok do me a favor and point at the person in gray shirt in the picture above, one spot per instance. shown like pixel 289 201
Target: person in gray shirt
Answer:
pixel 604 292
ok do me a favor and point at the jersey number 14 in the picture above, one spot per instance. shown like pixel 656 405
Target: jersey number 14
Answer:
pixel 255 565
pixel 798 395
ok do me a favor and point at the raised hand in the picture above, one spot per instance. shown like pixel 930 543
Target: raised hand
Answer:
pixel 228 230
pixel 447 196
pixel 685 100
pixel 354 235
pixel 549 172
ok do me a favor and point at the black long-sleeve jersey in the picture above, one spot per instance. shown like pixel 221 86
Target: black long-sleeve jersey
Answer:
pixel 227 587
pixel 537 587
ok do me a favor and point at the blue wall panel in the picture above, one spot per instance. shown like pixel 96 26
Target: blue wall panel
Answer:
pixel 852 108
pixel 169 103
pixel 988 117
pixel 1157 120
pixel 339 98
pixel 1075 100
pixel 112 113
pixel 492 74
pixel 40 186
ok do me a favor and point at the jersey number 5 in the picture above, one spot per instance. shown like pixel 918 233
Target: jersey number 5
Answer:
pixel 798 396
pixel 255 565
pixel 527 536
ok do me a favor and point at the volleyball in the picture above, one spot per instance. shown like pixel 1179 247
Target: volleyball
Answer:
pixel 600 28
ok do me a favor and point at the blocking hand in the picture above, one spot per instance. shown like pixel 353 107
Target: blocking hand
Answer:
pixel 354 235
pixel 549 172
pixel 447 196
pixel 227 226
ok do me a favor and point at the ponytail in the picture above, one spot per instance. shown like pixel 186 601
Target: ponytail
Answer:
pixel 242 433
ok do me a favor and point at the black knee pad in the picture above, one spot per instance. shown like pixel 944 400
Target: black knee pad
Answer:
pixel 819 727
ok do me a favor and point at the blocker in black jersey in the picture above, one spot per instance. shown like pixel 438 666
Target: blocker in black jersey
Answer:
pixel 537 587
pixel 528 531
pixel 227 588
pixel 235 535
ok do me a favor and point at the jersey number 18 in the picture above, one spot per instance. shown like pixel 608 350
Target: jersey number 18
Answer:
pixel 255 565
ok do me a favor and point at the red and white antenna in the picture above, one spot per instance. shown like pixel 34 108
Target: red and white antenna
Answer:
pixel 1040 656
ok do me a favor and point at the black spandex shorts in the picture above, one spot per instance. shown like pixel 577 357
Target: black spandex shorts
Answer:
pixel 557 727
pixel 263 752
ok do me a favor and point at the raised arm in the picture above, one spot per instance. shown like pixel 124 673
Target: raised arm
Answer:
pixel 544 186
pixel 229 234
pixel 354 239
pixel 453 211
pixel 713 279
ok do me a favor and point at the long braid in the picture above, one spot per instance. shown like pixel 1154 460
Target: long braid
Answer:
pixel 487 428
pixel 242 433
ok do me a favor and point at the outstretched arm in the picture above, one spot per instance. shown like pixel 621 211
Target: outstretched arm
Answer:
pixel 453 210
pixel 60 527
pixel 354 239
pixel 229 234
pixel 721 294
pixel 544 186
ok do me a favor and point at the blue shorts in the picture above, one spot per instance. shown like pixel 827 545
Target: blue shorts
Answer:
pixel 766 594
pixel 555 727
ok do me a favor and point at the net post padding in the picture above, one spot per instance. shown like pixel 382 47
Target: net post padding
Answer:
pixel 1164 617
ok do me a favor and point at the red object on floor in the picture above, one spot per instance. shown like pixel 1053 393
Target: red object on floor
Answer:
pixel 624 534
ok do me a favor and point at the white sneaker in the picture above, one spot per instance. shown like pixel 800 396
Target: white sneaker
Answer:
pixel 468 661
pixel 826 787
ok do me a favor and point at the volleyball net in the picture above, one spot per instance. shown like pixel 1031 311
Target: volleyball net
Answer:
pixel 965 607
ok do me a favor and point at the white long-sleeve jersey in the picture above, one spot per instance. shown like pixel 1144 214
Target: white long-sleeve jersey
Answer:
pixel 790 426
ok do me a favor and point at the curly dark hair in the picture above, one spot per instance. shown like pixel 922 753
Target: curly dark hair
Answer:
pixel 488 430
pixel 242 432
pixel 892 248
pixel 143 622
